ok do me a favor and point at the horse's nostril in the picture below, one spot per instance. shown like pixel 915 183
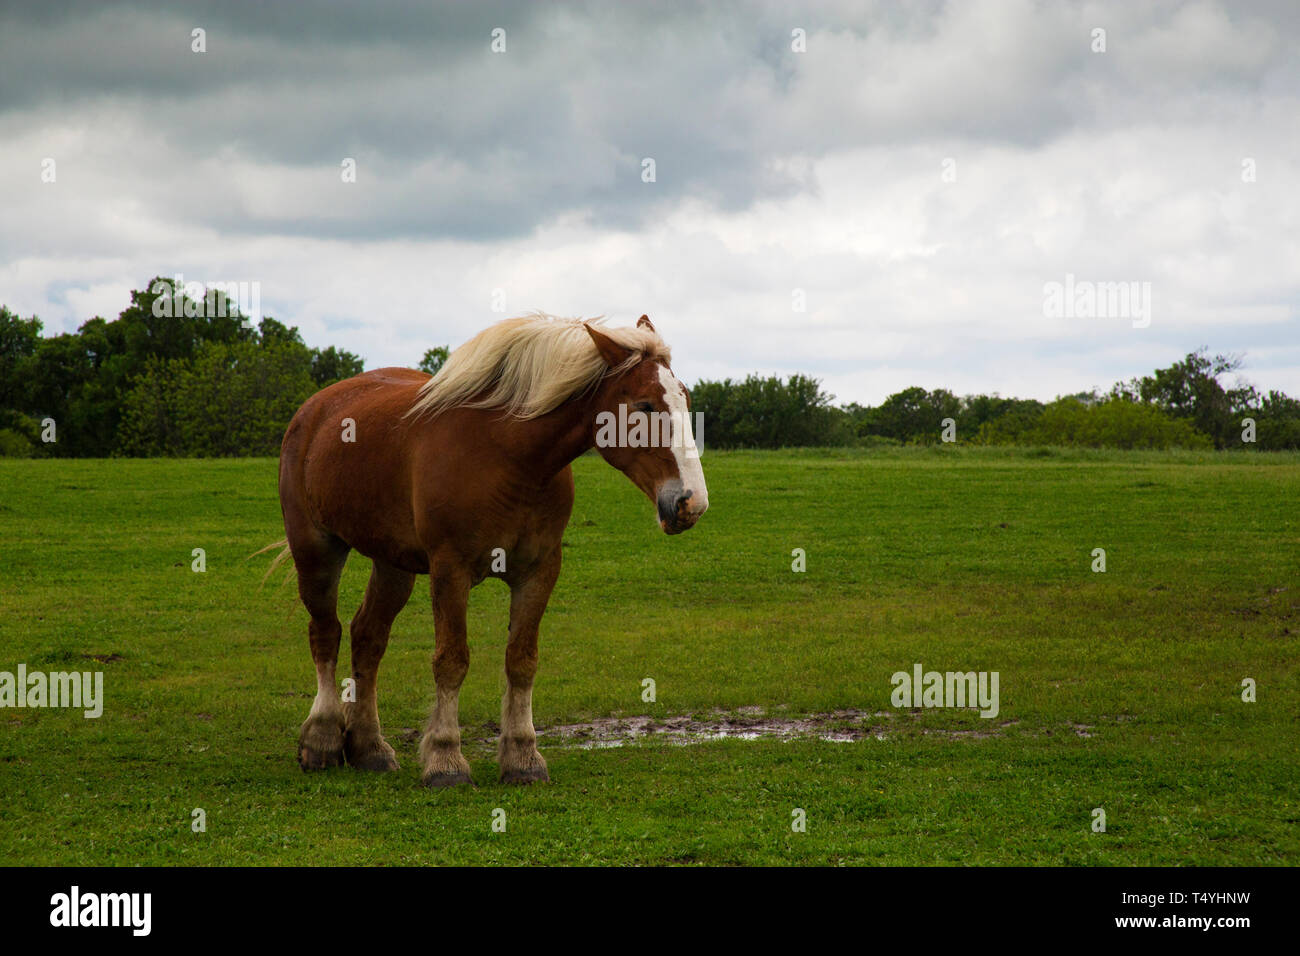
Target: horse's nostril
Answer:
pixel 683 501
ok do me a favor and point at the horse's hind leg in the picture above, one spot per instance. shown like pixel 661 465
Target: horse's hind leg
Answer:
pixel 518 757
pixel 444 764
pixel 320 559
pixel 386 595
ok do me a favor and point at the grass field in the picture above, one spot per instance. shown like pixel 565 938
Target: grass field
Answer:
pixel 1119 690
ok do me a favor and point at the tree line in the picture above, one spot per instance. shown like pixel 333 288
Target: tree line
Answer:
pixel 172 375
pixel 1183 406
pixel 195 378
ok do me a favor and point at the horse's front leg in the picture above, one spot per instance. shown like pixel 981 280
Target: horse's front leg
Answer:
pixel 520 762
pixel 444 764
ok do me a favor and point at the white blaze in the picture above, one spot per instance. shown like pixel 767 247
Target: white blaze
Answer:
pixel 684 450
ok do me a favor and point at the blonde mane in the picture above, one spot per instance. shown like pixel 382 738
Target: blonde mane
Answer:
pixel 530 365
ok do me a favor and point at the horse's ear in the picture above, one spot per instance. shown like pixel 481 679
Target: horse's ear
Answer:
pixel 613 353
pixel 644 323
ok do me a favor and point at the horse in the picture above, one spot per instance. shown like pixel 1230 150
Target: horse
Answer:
pixel 462 476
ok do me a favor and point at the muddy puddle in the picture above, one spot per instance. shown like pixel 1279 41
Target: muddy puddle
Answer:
pixel 841 726
pixel 747 723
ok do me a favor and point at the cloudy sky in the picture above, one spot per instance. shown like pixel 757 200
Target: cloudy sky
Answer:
pixel 877 194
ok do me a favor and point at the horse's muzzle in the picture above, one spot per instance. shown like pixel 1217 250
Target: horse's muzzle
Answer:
pixel 678 508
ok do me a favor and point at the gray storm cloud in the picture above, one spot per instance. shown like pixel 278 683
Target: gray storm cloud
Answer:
pixel 775 169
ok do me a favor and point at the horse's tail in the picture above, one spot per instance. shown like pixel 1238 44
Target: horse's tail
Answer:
pixel 284 555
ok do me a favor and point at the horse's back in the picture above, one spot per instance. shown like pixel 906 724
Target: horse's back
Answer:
pixel 379 398
pixel 347 445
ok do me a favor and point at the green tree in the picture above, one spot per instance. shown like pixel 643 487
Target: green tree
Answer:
pixel 1277 422
pixel 912 415
pixel 434 359
pixel 1191 389
pixel 1113 423
pixel 333 365
pixel 125 386
pixel 231 400
pixel 768 413
pixel 271 332
pixel 81 379
pixel 19 339
pixel 151 414
pixel 993 420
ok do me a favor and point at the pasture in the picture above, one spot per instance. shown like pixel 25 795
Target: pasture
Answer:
pixel 1119 690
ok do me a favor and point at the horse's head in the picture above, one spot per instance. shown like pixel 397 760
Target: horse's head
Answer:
pixel 643 428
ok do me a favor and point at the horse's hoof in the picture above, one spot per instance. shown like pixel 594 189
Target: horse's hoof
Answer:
pixel 526 776
pixel 320 744
pixel 373 753
pixel 310 759
pixel 448 778
pixel 378 761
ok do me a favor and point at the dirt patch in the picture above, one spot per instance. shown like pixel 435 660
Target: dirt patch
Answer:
pixel 746 723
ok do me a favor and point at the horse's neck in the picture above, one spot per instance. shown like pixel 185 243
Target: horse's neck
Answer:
pixel 547 444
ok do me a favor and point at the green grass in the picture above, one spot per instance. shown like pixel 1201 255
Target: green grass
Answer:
pixel 963 559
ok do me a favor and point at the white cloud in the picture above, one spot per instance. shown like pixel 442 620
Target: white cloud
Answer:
pixel 778 171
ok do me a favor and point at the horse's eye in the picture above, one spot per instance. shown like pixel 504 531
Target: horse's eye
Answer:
pixel 643 407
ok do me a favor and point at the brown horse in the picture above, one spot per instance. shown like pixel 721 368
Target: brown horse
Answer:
pixel 464 476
